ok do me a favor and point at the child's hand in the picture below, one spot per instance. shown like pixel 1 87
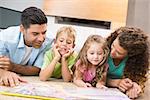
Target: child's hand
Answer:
pixel 56 52
pixel 68 53
pixel 99 85
pixel 87 85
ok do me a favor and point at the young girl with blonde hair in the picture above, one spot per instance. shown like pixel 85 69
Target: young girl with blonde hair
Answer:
pixel 91 67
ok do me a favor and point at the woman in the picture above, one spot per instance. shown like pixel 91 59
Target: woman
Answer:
pixel 128 60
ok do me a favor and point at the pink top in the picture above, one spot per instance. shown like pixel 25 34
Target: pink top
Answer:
pixel 87 74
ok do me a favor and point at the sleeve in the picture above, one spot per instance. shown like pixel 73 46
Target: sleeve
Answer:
pixel 3 50
pixel 47 59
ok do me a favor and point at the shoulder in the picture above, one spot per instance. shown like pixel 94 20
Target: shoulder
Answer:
pixel 10 34
pixel 74 54
pixel 49 52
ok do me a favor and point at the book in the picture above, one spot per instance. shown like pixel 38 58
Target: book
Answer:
pixel 64 92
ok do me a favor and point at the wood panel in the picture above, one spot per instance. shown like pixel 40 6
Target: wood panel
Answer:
pixel 114 11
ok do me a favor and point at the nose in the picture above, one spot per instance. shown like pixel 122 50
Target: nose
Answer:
pixel 64 43
pixel 113 52
pixel 96 56
pixel 41 37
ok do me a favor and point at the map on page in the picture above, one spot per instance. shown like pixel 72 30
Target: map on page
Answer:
pixel 67 92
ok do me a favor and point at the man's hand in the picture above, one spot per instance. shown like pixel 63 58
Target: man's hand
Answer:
pixel 10 79
pixel 5 63
pixel 125 84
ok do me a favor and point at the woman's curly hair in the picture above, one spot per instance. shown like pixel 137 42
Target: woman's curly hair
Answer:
pixel 135 41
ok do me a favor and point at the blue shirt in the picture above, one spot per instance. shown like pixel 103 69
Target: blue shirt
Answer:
pixel 116 72
pixel 12 45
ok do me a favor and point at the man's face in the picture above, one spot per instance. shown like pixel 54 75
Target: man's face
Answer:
pixel 34 36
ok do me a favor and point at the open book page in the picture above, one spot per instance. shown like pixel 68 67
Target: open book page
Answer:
pixel 95 93
pixel 67 92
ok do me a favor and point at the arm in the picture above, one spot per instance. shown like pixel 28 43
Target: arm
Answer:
pixel 25 69
pixel 102 82
pixel 47 72
pixel 6 64
pixel 66 74
pixel 122 84
pixel 78 79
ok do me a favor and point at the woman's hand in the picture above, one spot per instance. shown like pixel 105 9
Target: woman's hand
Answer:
pixel 125 84
pixel 134 92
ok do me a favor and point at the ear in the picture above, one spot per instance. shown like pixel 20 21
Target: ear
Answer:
pixel 22 29
pixel 54 41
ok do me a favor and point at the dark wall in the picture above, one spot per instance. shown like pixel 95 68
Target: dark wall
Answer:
pixel 9 17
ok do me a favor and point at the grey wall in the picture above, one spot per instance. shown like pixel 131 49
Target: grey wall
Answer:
pixel 139 14
pixel 20 5
pixel 9 17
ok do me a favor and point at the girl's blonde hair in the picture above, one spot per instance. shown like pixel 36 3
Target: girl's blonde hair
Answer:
pixel 90 40
pixel 70 31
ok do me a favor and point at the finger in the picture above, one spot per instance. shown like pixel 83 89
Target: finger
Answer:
pixel 104 87
pixel 4 62
pixel 128 81
pixel 5 82
pixel 88 84
pixel 22 80
pixel 122 89
pixel 3 66
pixel 4 59
pixel 1 81
pixel 16 80
pixel 11 81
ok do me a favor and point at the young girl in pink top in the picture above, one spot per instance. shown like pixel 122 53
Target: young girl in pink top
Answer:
pixel 91 67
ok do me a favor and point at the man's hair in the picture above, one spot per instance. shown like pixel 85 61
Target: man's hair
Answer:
pixel 33 15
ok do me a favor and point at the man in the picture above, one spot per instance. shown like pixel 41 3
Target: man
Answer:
pixel 22 47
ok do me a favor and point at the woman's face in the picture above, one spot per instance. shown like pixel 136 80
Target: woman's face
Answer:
pixel 117 51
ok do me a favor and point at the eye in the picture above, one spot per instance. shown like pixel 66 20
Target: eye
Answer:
pixel 99 53
pixel 92 53
pixel 35 33
pixel 69 42
pixel 61 40
pixel 44 33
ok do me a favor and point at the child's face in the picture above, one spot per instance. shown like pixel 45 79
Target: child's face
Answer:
pixel 95 54
pixel 64 43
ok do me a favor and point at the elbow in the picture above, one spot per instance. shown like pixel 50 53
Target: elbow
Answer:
pixel 43 79
pixel 67 80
